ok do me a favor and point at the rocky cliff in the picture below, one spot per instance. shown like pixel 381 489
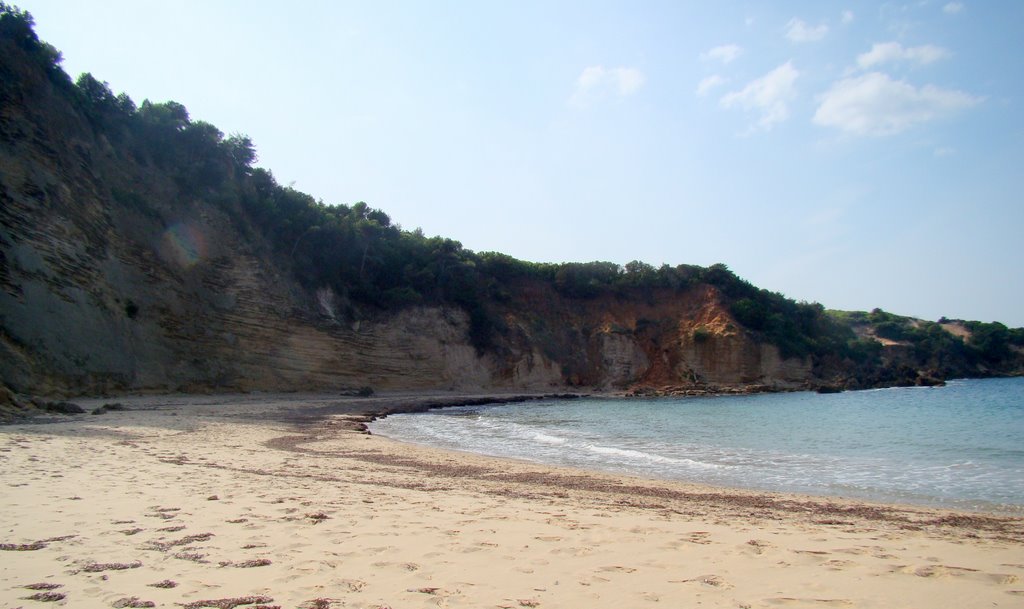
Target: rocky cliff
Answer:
pixel 100 296
pixel 122 272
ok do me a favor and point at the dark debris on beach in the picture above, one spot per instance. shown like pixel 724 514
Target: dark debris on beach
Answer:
pixel 132 602
pixel 97 567
pixel 230 603
pixel 46 597
pixel 43 586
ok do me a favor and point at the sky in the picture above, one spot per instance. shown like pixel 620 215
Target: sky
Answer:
pixel 856 154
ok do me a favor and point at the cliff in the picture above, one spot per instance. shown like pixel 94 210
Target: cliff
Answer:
pixel 140 251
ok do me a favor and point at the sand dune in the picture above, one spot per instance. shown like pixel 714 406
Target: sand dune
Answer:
pixel 242 502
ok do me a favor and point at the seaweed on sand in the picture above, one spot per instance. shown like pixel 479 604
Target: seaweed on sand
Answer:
pixel 46 597
pixel 132 603
pixel 22 547
pixel 246 564
pixel 167 583
pixel 229 603
pixel 43 586
pixel 318 517
pixel 97 567
pixel 163 546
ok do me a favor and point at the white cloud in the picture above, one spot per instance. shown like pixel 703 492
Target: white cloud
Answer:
pixel 709 83
pixel 875 104
pixel 767 95
pixel 886 52
pixel 944 151
pixel 724 53
pixel 799 31
pixel 622 80
pixel 847 17
pixel 599 81
pixel 953 8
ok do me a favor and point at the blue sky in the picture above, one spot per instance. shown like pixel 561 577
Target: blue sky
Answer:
pixel 857 154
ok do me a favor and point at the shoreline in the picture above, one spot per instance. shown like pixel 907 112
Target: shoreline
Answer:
pixel 351 413
pixel 915 498
pixel 768 496
pixel 282 498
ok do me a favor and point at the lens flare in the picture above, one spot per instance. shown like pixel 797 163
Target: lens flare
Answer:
pixel 183 244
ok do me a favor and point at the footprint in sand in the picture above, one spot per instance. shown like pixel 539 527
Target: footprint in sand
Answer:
pixel 943 571
pixel 699 538
pixel 809 602
pixel 711 580
pixel 837 564
pixel 574 551
pixel 352 585
pixel 470 549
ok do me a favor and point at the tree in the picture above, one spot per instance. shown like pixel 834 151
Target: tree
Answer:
pixel 95 92
pixel 750 313
pixel 640 273
pixel 18 26
pixel 241 150
pixel 168 116
pixel 99 100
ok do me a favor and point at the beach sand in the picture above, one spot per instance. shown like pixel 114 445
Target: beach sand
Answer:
pixel 247 501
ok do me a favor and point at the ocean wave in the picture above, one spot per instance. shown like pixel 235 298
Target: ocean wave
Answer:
pixel 645 456
pixel 546 439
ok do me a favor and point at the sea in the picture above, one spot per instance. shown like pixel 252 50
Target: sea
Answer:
pixel 960 446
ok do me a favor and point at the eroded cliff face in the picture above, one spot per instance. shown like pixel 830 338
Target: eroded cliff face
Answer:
pixel 98 297
pixel 191 305
pixel 113 279
pixel 665 341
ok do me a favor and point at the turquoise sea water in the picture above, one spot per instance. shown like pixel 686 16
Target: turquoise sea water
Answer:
pixel 959 446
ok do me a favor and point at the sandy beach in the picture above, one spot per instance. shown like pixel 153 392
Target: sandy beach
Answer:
pixel 279 501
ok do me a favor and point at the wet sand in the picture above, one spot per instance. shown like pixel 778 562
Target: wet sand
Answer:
pixel 248 501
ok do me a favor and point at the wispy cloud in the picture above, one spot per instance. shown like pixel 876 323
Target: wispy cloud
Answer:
pixel 768 96
pixel 953 8
pixel 709 83
pixel 799 31
pixel 725 53
pixel 598 81
pixel 887 52
pixel 875 104
pixel 847 17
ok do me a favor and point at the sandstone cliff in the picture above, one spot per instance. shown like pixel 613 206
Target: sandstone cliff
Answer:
pixel 118 274
pixel 175 294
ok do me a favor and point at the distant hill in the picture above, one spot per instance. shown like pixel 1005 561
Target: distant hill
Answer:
pixel 142 250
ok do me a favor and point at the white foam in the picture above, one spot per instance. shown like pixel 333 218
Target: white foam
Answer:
pixel 645 456
pixel 546 439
